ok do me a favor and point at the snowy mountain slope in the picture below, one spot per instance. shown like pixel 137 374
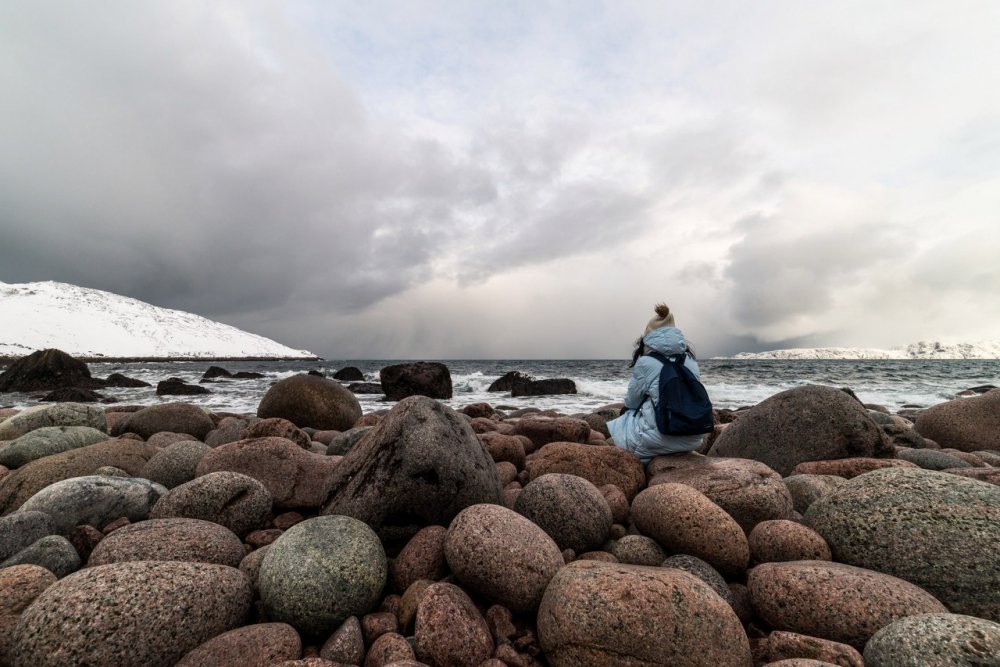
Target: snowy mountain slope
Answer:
pixel 92 323
pixel 920 350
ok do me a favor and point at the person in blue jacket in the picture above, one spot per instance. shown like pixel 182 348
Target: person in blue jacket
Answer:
pixel 635 430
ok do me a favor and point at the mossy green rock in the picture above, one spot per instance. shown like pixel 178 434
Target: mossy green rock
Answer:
pixel 936 530
pixel 935 640
pixel 48 440
pixel 322 571
pixel 61 414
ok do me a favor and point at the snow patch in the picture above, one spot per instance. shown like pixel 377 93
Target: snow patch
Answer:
pixel 919 350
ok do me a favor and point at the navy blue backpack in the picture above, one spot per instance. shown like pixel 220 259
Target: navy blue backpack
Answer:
pixel 684 408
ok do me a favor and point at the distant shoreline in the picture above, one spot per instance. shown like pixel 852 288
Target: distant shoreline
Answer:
pixel 143 360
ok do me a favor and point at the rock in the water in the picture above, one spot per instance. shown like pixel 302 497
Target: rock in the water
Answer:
pixel 296 479
pixel 500 554
pixel 810 423
pixel 349 374
pixel 783 540
pixel 307 400
pixel 230 499
pixel 449 629
pixel 805 489
pixel 214 372
pixel 172 417
pixel 832 600
pixel 506 381
pixel 965 424
pixel 570 509
pixel 598 465
pixel 191 540
pixel 54 552
pixel 259 645
pixel 685 521
pixel 74 395
pixel 748 490
pixel 320 572
pixel 938 531
pixel 542 387
pixel 44 370
pixel 607 614
pixel 178 387
pixel 421 378
pixel 138 613
pixel 95 500
pixel 20 585
pixel 420 466
pixel 365 388
pixel 935 640
pixel 63 414
pixel 46 441
pixel 119 380
pixel 21 529
pixel 175 464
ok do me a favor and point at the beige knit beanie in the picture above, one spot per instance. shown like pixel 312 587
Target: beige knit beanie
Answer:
pixel 664 318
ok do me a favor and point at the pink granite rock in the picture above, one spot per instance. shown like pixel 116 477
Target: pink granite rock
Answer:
pixel 346 644
pixel 598 465
pixel 191 540
pixel 783 540
pixel 543 430
pixel 966 424
pixel 849 468
pixel 449 630
pixel 258 645
pixel 779 646
pixel 389 648
pixel 20 585
pixel 421 558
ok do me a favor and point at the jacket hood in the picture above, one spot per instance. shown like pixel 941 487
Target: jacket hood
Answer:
pixel 666 340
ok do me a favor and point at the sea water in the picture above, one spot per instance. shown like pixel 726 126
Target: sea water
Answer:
pixel 731 383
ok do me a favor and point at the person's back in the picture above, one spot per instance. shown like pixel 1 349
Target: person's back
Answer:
pixel 636 430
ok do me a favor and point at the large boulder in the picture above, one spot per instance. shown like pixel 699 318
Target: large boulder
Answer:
pixel 832 600
pixel 599 465
pixel 748 490
pixel 597 613
pixel 965 424
pixel 258 645
pixel 349 374
pixel 936 530
pixel 421 378
pixel 810 423
pixel 138 613
pixel 230 499
pixel 26 481
pixel 935 640
pixel 570 509
pixel 308 400
pixel 507 380
pixel 95 500
pixel 46 441
pixel 171 417
pixel 44 370
pixel 544 387
pixel 296 479
pixel 320 572
pixel 420 466
pixel 62 414
pixel 190 540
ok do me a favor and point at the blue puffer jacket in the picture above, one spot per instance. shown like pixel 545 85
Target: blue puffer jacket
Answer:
pixel 636 430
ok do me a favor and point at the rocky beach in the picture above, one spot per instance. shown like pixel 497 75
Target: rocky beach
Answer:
pixel 809 529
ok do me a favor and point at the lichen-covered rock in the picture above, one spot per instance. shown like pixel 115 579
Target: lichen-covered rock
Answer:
pixel 805 489
pixel 810 423
pixel 53 552
pixel 46 441
pixel 230 499
pixel 308 400
pixel 95 500
pixel 938 531
pixel 635 550
pixel 570 509
pixel 932 459
pixel 419 467
pixel 22 529
pixel 138 613
pixel 935 640
pixel 175 464
pixel 702 570
pixel 965 424
pixel 62 414
pixel 606 614
pixel 320 572
pixel 191 540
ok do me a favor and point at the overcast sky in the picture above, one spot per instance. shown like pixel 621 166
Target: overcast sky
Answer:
pixel 512 179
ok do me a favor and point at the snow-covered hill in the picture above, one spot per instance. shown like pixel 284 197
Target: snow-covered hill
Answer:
pixel 91 323
pixel 920 350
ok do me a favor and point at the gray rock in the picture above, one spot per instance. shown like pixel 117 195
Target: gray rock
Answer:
pixel 53 552
pixel 307 400
pixel 48 440
pixel 936 530
pixel 420 466
pixel 932 459
pixel 805 489
pixel 423 378
pixel 935 640
pixel 171 417
pixel 703 571
pixel 230 499
pixel 60 414
pixel 95 500
pixel 320 572
pixel 636 550
pixel 570 509
pixel 341 444
pixel 175 464
pixel 21 529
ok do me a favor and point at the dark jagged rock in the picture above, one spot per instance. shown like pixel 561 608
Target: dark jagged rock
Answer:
pixel 349 374
pixel 119 380
pixel 216 372
pixel 505 382
pixel 542 387
pixel 74 395
pixel 247 375
pixel 177 387
pixel 365 388
pixel 421 378
pixel 46 370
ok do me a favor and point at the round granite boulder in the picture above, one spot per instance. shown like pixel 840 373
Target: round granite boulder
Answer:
pixel 46 441
pixel 570 509
pixel 258 645
pixel 175 464
pixel 53 552
pixel 965 424
pixel 138 613
pixel 934 640
pixel 308 400
pixel 833 601
pixel 421 558
pixel 62 414
pixel 635 550
pixel 783 540
pixel 95 500
pixel 191 540
pixel 599 465
pixel 238 502
pixel 810 423
pixel 21 529
pixel 172 417
pixel 320 572
pixel 597 613
pixel 805 489
pixel 936 530
pixel 932 459
pixel 501 555
pixel 20 585
pixel 704 571
pixel 449 630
